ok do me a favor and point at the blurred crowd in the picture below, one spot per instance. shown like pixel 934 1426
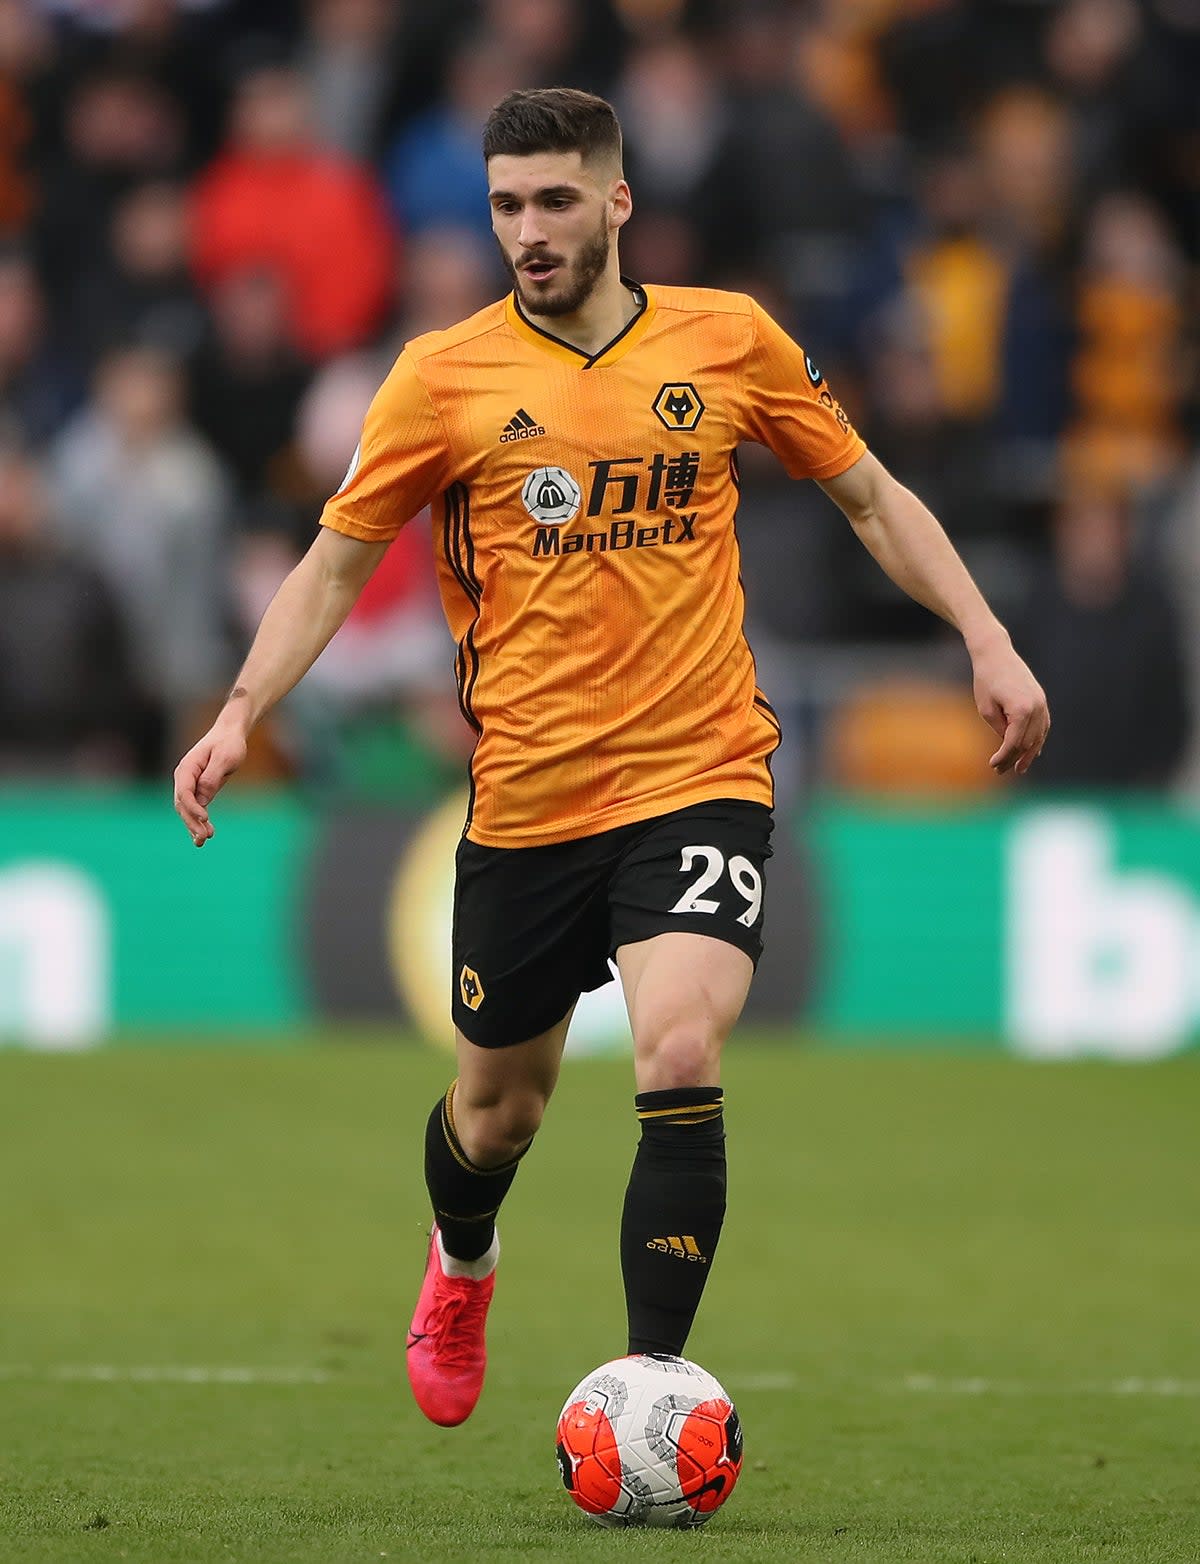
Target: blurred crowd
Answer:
pixel 220 221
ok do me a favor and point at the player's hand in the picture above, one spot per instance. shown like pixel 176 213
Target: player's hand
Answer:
pixel 202 773
pixel 1012 703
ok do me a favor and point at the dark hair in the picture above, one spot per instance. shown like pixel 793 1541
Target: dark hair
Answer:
pixel 552 119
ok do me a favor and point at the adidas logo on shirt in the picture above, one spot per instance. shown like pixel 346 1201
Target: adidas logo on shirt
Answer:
pixel 520 427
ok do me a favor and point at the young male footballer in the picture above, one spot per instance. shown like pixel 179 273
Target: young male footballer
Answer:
pixel 578 442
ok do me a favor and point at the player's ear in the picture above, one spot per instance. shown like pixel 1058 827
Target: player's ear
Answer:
pixel 620 204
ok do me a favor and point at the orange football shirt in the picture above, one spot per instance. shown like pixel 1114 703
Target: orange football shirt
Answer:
pixel 584 529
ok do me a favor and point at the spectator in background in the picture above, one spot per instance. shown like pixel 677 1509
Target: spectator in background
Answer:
pixel 1129 369
pixel 349 61
pixel 1167 164
pixel 663 245
pixel 26 62
pixel 179 44
pixel 840 71
pixel 450 273
pixel 940 60
pixel 674 119
pixel 434 174
pixel 547 36
pixel 129 18
pixel 1105 636
pixel 428 38
pixel 932 317
pixel 783 195
pixel 1024 138
pixel 69 701
pixel 40 382
pixel 140 287
pixel 955 280
pixel 119 129
pixel 143 499
pixel 673 116
pixel 1096 57
pixel 247 380
pixel 274 200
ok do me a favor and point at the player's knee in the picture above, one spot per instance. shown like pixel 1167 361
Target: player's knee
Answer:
pixel 682 1054
pixel 495 1132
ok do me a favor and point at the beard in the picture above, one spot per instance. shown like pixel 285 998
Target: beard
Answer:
pixel 572 290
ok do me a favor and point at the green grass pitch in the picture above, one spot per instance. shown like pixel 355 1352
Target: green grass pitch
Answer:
pixel 957 1303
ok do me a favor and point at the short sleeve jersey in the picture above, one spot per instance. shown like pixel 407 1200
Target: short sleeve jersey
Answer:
pixel 587 560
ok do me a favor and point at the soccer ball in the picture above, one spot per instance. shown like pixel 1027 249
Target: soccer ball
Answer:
pixel 649 1440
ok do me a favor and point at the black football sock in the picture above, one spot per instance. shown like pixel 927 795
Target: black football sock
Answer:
pixel 465 1197
pixel 674 1208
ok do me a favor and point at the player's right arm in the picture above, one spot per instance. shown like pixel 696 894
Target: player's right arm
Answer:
pixel 299 623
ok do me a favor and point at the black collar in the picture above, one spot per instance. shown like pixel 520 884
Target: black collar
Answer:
pixel 639 294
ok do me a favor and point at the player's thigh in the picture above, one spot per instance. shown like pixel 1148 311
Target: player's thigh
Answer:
pixel 530 935
pixel 684 993
pixel 687 908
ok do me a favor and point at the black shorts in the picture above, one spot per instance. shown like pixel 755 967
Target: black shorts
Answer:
pixel 534 927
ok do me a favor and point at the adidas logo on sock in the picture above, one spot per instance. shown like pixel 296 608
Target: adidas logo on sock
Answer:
pixel 684 1248
pixel 520 427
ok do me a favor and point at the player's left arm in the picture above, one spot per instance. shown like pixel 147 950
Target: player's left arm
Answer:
pixel 908 542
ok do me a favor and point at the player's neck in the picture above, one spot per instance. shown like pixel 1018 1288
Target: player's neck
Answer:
pixel 602 318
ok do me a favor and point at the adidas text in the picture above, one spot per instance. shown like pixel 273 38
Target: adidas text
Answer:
pixel 521 427
pixel 682 1248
